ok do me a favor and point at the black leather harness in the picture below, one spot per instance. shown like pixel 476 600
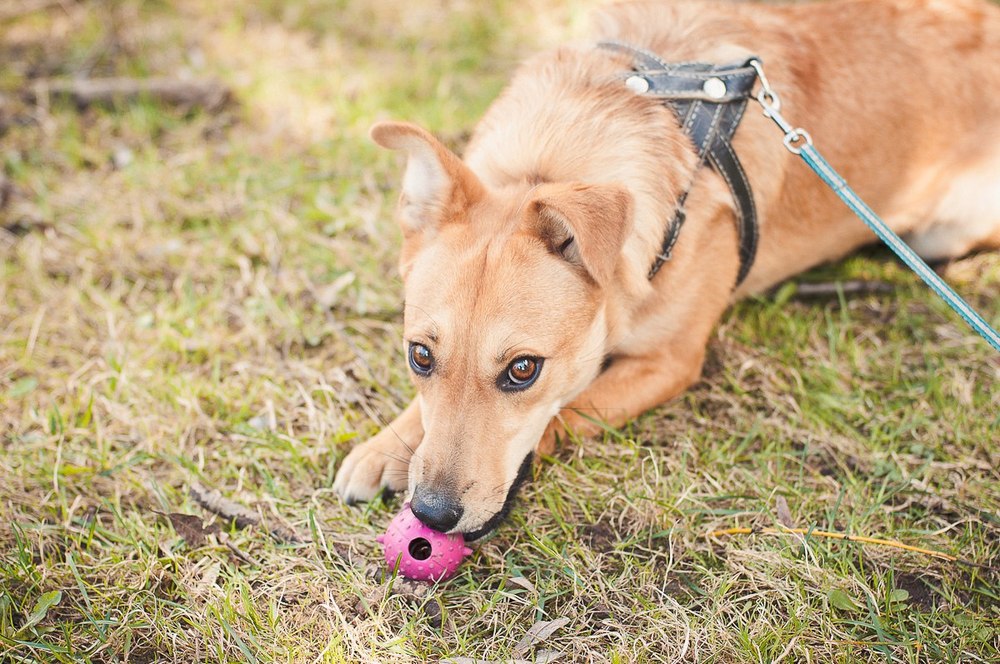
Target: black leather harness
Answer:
pixel 708 101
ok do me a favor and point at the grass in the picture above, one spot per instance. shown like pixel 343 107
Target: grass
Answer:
pixel 222 307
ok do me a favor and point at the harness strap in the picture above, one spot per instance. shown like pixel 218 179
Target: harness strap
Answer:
pixel 709 101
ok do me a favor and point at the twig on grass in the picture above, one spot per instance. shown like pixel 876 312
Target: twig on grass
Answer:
pixel 805 290
pixel 213 501
pixel 245 557
pixel 849 538
pixel 19 9
pixel 195 533
pixel 815 290
pixel 206 93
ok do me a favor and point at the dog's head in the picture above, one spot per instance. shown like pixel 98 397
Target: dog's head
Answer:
pixel 505 319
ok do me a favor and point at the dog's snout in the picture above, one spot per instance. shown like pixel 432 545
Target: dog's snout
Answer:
pixel 439 511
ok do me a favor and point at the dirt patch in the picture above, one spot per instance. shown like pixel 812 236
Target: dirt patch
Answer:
pixel 921 594
pixel 599 537
pixel 145 656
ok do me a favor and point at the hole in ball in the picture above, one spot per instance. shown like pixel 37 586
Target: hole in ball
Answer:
pixel 420 548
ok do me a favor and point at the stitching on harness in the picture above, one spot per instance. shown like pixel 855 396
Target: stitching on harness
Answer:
pixel 673 73
pixel 748 214
pixel 741 251
pixel 692 112
pixel 688 108
pixel 713 132
pixel 737 116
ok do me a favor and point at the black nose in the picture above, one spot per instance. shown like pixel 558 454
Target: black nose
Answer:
pixel 439 511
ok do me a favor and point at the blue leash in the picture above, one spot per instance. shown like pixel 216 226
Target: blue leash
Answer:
pixel 799 142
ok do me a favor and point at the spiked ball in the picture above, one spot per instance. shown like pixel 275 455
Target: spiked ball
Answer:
pixel 423 553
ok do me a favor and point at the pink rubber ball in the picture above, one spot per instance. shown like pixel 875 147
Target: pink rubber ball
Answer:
pixel 423 553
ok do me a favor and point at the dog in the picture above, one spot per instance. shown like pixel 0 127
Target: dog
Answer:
pixel 529 303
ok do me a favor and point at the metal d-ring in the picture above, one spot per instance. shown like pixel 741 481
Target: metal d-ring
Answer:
pixel 793 137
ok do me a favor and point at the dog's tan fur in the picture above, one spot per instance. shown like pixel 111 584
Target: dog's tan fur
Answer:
pixel 902 96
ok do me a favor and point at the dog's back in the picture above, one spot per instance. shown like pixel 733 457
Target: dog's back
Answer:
pixel 903 96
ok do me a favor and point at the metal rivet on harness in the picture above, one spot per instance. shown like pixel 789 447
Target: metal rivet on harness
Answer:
pixel 637 84
pixel 715 88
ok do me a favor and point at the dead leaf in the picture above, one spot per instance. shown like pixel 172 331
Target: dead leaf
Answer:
pixel 432 611
pixel 413 590
pixel 784 514
pixel 215 502
pixel 537 633
pixel 522 582
pixel 541 657
pixel 191 528
pixel 208 579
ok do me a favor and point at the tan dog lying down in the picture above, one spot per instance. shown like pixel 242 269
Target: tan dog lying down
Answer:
pixel 525 264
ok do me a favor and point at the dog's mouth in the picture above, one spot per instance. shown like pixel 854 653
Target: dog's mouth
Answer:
pixel 508 503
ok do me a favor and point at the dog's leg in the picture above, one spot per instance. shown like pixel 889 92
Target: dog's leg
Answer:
pixel 991 243
pixel 383 461
pixel 967 216
pixel 629 387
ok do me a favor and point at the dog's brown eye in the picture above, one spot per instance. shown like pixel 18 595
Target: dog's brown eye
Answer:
pixel 522 370
pixel 421 360
pixel 520 374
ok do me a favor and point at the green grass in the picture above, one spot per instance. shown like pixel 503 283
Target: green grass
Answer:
pixel 225 309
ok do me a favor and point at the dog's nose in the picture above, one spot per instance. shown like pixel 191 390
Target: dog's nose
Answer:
pixel 439 511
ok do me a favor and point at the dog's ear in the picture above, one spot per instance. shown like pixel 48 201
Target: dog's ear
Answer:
pixel 586 224
pixel 437 185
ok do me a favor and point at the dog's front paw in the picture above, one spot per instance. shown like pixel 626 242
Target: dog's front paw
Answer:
pixel 559 430
pixel 554 432
pixel 379 462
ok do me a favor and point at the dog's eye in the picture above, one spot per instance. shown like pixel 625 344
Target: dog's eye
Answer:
pixel 421 360
pixel 521 373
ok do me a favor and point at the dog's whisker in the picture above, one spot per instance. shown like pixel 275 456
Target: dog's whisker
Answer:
pixel 388 425
pixel 395 457
pixel 411 450
pixel 596 409
pixel 502 488
pixel 423 311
